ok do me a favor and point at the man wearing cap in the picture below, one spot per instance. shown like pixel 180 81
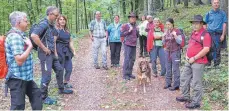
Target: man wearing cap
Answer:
pixel 216 20
pixel 130 33
pixel 198 46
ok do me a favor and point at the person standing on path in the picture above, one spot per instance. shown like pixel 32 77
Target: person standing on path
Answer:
pixel 43 36
pixel 216 20
pixel 157 50
pixel 172 41
pixel 130 33
pixel 64 48
pixel 143 37
pixel 114 32
pixel 20 65
pixel 192 75
pixel 98 35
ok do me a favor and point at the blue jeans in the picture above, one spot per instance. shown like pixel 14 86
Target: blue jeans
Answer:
pixel 99 43
pixel 129 59
pixel 216 40
pixel 172 67
pixel 158 51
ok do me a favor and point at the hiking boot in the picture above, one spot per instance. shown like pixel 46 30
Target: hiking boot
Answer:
pixel 105 67
pixel 97 67
pixel 65 91
pixel 49 101
pixel 67 85
pixel 192 105
pixel 173 88
pixel 126 78
pixel 154 75
pixel 131 76
pixel 182 99
pixel 167 86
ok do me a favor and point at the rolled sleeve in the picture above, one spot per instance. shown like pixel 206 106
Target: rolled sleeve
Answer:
pixel 179 39
pixel 16 44
pixel 224 17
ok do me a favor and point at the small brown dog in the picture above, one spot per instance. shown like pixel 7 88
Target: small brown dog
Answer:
pixel 144 74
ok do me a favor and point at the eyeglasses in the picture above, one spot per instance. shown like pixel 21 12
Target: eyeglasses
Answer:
pixel 55 15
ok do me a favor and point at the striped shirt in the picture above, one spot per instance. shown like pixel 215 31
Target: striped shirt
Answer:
pixel 15 45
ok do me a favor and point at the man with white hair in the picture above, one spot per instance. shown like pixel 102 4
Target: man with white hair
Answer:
pixel 20 65
pixel 98 35
pixel 43 36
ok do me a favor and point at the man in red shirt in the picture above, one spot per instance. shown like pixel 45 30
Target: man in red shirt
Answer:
pixel 198 46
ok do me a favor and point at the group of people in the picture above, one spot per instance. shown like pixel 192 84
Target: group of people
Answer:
pixel 55 51
pixel 165 42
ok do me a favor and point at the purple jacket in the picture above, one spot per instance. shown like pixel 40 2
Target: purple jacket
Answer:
pixel 130 37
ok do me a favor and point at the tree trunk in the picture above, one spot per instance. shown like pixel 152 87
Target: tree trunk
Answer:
pixel 162 5
pixel 136 6
pixel 131 6
pixel 76 15
pixel 60 6
pixel 149 7
pixel 198 2
pixel 57 3
pixel 224 6
pixel 186 3
pixel 124 7
pixel 175 6
pixel 85 12
pixel 145 7
pixel 178 2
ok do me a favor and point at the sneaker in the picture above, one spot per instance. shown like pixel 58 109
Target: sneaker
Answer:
pixel 182 99
pixel 105 67
pixel 192 105
pixel 97 67
pixel 49 101
pixel 112 65
pixel 67 85
pixel 65 91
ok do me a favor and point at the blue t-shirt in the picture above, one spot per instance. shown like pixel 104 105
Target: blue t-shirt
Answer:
pixel 215 20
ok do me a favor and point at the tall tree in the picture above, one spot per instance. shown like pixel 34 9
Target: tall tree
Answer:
pixel 198 2
pixel 186 3
pixel 76 1
pixel 149 7
pixel 85 12
pixel 145 7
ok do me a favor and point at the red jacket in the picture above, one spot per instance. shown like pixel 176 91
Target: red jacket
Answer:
pixel 150 38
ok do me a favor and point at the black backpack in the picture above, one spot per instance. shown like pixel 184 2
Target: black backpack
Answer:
pixel 35 47
pixel 210 54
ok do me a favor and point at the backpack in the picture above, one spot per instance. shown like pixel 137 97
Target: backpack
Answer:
pixel 210 54
pixel 183 38
pixel 3 64
pixel 35 47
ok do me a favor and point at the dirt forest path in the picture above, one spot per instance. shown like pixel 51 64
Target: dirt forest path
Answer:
pixel 100 89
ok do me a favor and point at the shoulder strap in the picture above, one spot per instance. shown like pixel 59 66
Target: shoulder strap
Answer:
pixel 201 38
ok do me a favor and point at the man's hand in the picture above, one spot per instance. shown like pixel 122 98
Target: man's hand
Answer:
pixel 222 38
pixel 131 28
pixel 191 60
pixel 28 43
pixel 174 33
pixel 92 39
pixel 46 50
